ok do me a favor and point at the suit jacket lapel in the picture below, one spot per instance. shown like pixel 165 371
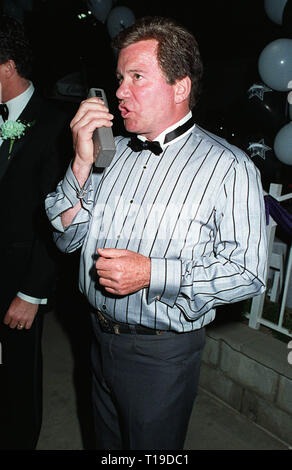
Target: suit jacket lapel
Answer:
pixel 29 114
pixel 4 162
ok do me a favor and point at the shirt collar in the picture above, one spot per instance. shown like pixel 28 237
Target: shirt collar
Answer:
pixel 160 138
pixel 16 105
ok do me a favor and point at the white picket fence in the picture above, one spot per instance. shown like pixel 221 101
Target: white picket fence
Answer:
pixel 280 261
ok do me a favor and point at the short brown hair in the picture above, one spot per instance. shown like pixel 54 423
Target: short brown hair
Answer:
pixel 177 54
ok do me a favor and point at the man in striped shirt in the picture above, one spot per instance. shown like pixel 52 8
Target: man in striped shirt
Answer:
pixel 168 233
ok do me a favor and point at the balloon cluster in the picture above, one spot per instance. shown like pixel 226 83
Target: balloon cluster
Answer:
pixel 116 19
pixel 275 69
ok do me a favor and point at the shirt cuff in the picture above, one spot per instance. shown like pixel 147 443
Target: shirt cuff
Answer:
pixel 165 280
pixel 72 190
pixel 32 300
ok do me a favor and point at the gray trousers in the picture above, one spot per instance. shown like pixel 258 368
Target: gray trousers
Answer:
pixel 144 388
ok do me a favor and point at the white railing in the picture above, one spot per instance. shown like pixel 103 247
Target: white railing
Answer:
pixel 281 279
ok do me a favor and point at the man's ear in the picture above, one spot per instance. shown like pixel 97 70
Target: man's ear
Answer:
pixel 9 68
pixel 182 89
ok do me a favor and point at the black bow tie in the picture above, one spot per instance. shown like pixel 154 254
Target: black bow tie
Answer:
pixel 137 145
pixel 4 111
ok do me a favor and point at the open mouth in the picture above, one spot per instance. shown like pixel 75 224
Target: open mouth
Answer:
pixel 125 112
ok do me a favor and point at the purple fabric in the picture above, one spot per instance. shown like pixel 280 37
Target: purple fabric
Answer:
pixel 280 215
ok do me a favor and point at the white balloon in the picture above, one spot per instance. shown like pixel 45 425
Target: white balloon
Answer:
pixel 275 9
pixel 119 18
pixel 275 64
pixel 283 144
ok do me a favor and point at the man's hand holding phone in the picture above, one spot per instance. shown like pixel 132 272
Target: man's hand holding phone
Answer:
pixel 91 114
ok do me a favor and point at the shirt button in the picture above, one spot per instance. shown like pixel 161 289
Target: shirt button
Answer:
pixel 104 307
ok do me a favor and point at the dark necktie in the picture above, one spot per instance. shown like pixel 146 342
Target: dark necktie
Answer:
pixel 138 145
pixel 4 111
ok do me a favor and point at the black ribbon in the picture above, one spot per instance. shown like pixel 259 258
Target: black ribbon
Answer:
pixel 4 111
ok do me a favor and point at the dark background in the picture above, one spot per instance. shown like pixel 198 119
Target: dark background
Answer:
pixel 231 36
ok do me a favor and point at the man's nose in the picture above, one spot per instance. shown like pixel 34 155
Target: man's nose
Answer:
pixel 123 91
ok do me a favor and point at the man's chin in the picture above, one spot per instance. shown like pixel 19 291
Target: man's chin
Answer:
pixel 130 126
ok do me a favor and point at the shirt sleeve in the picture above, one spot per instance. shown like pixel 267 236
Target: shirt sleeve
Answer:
pixel 66 196
pixel 32 300
pixel 165 280
pixel 236 267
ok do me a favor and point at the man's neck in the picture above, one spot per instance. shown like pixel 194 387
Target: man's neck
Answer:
pixel 14 89
pixel 160 137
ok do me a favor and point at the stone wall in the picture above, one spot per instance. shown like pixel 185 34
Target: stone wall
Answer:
pixel 249 370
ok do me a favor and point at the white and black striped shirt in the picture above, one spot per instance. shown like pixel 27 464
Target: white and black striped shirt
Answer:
pixel 196 210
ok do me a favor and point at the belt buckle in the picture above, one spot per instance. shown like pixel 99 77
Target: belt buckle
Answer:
pixel 108 326
pixel 105 326
pixel 116 329
pixel 101 317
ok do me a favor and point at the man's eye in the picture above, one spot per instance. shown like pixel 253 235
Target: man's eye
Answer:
pixel 137 76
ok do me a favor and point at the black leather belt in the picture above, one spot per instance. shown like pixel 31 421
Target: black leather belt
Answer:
pixel 109 326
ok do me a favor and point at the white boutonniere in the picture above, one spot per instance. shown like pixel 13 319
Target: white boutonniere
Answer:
pixel 13 130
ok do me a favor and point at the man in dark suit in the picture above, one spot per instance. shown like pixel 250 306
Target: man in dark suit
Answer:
pixel 30 166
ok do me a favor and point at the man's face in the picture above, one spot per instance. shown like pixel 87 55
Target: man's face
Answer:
pixel 147 101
